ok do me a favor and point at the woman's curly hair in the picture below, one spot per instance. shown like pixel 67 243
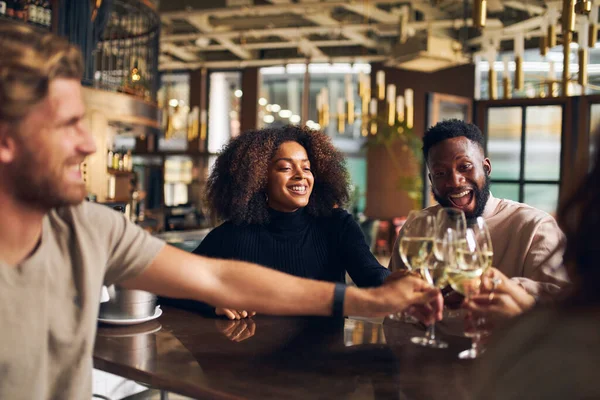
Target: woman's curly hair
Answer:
pixel 236 187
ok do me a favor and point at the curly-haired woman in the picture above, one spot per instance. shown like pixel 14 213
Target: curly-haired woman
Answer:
pixel 279 192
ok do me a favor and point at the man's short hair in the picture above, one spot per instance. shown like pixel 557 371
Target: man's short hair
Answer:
pixel 449 129
pixel 29 61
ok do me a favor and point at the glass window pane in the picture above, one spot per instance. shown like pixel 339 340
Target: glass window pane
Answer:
pixel 542 142
pixel 505 190
pixel 544 197
pixel 504 141
pixel 224 105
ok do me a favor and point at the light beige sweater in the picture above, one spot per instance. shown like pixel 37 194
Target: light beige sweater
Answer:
pixel 528 246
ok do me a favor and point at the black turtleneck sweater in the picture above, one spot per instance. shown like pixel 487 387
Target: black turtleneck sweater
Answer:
pixel 322 248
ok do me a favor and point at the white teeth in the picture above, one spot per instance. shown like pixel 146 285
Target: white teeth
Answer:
pixel 300 189
pixel 461 194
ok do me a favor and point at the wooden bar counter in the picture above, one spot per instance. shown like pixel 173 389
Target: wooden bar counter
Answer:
pixel 283 358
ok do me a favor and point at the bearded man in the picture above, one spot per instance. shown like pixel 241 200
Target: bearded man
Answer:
pixel 528 244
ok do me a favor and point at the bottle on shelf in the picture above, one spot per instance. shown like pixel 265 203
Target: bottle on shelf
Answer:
pixel 121 165
pixel 10 8
pixel 109 159
pixel 32 12
pixel 129 165
pixel 2 8
pixel 19 8
pixel 46 13
pixel 116 158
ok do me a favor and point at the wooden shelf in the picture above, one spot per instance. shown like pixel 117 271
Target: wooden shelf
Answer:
pixel 118 172
pixel 172 153
pixel 37 27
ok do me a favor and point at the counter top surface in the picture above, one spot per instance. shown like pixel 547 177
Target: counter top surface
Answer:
pixel 276 358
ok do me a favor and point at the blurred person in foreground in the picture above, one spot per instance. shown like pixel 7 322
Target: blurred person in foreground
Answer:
pixel 527 242
pixel 56 251
pixel 554 352
pixel 279 192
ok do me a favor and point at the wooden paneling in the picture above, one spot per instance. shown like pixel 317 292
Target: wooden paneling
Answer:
pixel 384 199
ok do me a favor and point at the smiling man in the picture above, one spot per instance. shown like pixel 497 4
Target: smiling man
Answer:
pixel 528 244
pixel 56 250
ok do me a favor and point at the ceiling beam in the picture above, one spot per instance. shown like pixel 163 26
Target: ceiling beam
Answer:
pixel 532 9
pixel 382 30
pixel 268 62
pixel 269 9
pixel 509 32
pixel 324 19
pixel 274 45
pixel 203 25
pixel 176 51
pixel 371 11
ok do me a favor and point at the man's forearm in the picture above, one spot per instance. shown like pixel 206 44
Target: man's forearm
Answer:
pixel 241 285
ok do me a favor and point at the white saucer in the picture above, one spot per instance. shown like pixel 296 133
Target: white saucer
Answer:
pixel 157 313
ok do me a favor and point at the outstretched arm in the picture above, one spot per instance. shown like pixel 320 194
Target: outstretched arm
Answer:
pixel 239 285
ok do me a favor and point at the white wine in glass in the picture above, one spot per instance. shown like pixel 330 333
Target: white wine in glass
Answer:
pixel 484 241
pixel 415 251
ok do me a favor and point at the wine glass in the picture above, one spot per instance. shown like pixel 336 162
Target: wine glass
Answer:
pixel 421 242
pixel 484 241
pixel 455 221
pixel 465 278
pixel 416 241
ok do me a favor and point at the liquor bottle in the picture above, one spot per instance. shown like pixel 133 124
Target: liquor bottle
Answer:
pixel 116 157
pixel 109 159
pixel 10 8
pixel 32 12
pixel 124 160
pixel 47 14
pixel 24 10
pixel 19 9
pixel 129 166
pixel 2 7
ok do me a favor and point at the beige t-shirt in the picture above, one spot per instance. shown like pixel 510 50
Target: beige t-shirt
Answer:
pixel 528 245
pixel 49 303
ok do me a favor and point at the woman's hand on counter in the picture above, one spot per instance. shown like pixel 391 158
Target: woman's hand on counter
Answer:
pixel 234 314
pixel 236 331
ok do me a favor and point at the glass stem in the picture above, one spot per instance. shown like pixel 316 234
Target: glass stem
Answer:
pixel 475 345
pixel 430 334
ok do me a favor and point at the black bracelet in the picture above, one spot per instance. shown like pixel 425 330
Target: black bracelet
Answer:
pixel 339 292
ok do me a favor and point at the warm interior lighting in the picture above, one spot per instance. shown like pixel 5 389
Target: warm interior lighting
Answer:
pixel 350 98
pixel 391 100
pixel 582 53
pixel 519 48
pixel 380 85
pixel 135 75
pixel 373 113
pixel 479 13
pixel 400 108
pixel 551 36
pixel 340 116
pixel 409 112
pixel 583 7
pixel 507 92
pixel 492 85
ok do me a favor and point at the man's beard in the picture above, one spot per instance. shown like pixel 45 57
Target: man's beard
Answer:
pixel 481 198
pixel 34 184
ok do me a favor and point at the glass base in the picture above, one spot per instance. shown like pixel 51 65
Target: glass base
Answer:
pixel 469 354
pixel 426 342
pixel 403 317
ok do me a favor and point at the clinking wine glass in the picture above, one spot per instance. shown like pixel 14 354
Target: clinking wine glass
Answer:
pixel 455 221
pixel 484 241
pixel 465 278
pixel 416 241
pixel 421 243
